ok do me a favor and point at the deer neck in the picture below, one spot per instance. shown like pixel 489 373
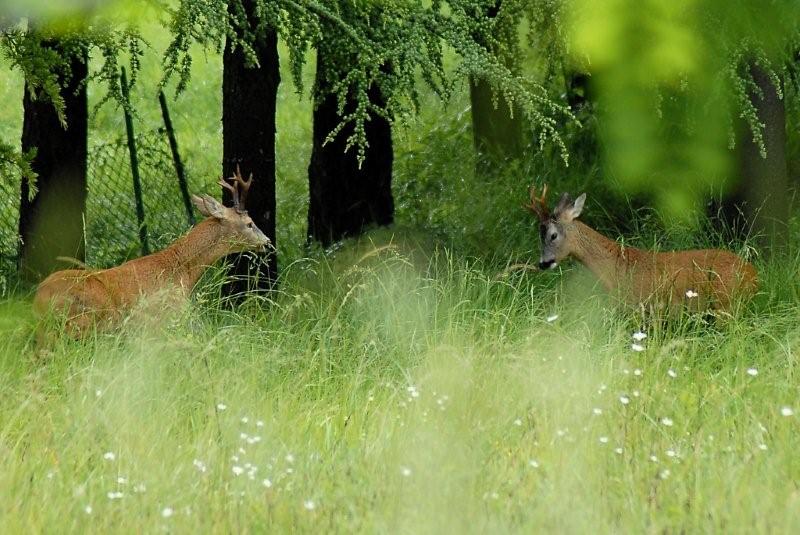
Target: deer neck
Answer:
pixel 192 254
pixel 603 257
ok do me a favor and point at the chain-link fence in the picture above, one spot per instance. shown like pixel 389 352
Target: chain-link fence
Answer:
pixel 9 222
pixel 112 226
pixel 111 222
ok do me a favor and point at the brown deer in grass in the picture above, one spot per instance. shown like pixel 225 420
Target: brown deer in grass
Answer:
pixel 101 297
pixel 707 279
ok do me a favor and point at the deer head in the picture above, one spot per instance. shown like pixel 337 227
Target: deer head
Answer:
pixel 236 224
pixel 555 228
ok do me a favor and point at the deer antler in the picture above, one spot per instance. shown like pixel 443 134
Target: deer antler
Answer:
pixel 234 193
pixel 538 205
pixel 238 189
pixel 244 185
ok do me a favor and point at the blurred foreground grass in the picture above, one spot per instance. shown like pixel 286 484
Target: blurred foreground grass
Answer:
pixel 394 391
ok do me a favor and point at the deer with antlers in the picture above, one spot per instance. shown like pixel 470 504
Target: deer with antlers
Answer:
pixel 101 297
pixel 707 279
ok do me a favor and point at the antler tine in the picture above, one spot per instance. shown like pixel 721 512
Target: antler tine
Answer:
pixel 244 185
pixel 538 205
pixel 234 192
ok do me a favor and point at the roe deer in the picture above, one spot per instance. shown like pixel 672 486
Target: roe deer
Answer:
pixel 697 279
pixel 94 297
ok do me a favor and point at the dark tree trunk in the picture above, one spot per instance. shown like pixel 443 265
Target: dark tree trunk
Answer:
pixel 497 133
pixel 249 94
pixel 759 204
pixel 344 200
pixel 51 224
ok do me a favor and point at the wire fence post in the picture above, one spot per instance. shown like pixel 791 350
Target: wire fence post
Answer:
pixel 176 158
pixel 137 184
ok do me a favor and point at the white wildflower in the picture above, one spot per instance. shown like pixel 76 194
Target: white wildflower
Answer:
pixel 672 373
pixel 551 319
pixel 115 495
pixel 762 447
pixel 624 400
pixel 752 372
pixel 260 423
pixel 618 451
pixel 221 406
pixel 597 411
pixel 87 509
pixel 518 422
pixel 405 471
pixel 691 294
pixel 533 463
pixel 237 470
pixel 109 456
pixel 604 440
pixel 200 465
pixel 664 474
pixel 167 512
pixel 639 336
pixel 245 419
pixel 666 421
pixel 267 483
pixel 637 372
pixel 309 505
pixel 637 347
pixel 787 411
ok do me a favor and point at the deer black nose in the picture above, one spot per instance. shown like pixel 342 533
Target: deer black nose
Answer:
pixel 546 264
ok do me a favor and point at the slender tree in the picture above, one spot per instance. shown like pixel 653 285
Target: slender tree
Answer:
pixel 759 202
pixel 54 59
pixel 496 126
pixel 51 220
pixel 345 195
pixel 250 80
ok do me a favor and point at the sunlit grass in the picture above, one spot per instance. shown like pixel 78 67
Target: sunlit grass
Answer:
pixel 391 390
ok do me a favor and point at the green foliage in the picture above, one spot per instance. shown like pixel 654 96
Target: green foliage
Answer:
pixel 388 44
pixel 43 52
pixel 14 163
pixel 673 79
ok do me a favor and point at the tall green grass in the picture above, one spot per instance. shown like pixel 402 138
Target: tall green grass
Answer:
pixel 390 390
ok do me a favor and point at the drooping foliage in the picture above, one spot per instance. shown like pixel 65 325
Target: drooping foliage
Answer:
pixel 410 38
pixel 676 88
pixel 21 46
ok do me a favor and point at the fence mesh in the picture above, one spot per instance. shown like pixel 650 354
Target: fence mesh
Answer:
pixel 9 222
pixel 111 225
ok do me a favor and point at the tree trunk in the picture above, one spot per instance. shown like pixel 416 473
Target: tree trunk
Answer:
pixel 497 133
pixel 249 94
pixel 759 205
pixel 51 224
pixel 344 200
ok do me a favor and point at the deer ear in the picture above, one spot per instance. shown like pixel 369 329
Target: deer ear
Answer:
pixel 573 209
pixel 209 207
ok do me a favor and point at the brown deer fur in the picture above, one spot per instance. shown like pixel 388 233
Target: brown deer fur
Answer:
pixel 101 297
pixel 696 279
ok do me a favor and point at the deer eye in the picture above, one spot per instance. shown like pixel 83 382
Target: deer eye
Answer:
pixel 553 236
pixel 250 225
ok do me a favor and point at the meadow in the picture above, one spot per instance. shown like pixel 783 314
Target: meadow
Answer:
pixel 415 380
